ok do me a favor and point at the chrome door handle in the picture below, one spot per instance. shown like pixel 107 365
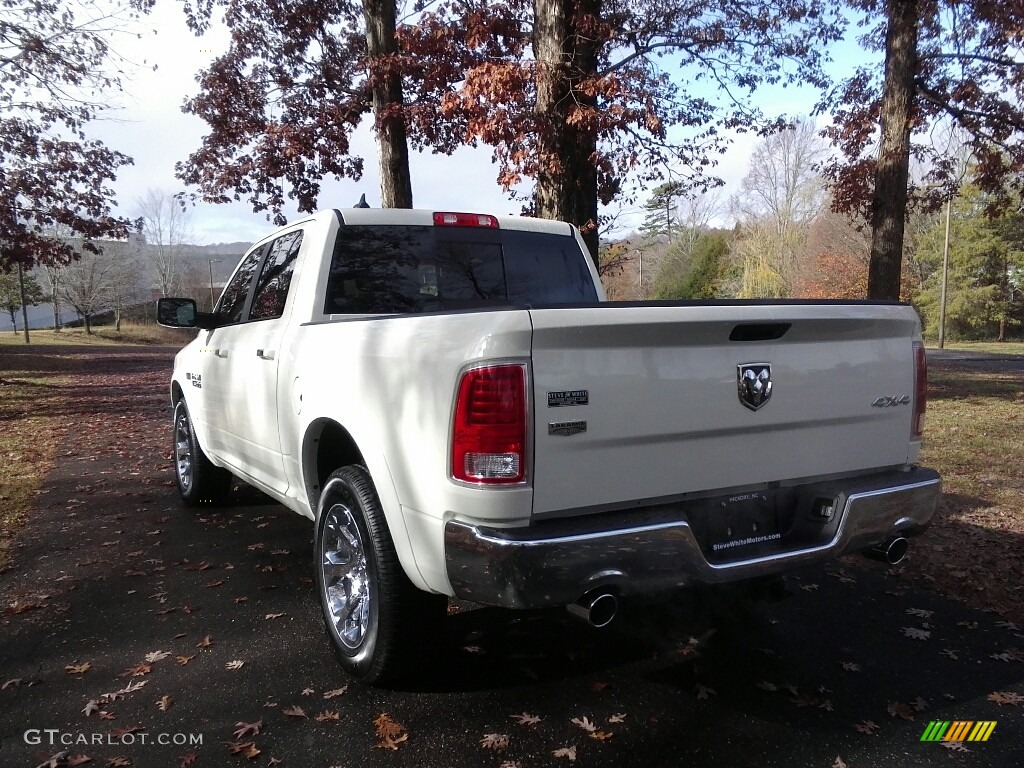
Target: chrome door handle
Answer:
pixel 265 354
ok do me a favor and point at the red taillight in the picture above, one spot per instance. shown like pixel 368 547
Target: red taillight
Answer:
pixel 489 436
pixel 920 388
pixel 465 220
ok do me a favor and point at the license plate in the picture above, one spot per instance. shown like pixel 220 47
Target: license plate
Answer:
pixel 743 526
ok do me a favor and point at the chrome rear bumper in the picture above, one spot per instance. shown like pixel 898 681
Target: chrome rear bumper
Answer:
pixel 653 549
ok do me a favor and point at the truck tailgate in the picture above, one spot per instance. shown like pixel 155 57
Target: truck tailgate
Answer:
pixel 637 403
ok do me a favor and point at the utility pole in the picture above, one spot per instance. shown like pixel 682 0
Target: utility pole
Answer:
pixel 212 299
pixel 945 275
pixel 24 309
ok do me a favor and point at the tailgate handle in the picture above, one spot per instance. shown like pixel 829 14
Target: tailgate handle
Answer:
pixel 759 331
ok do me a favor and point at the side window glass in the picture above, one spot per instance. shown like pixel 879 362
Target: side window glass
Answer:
pixel 276 277
pixel 232 301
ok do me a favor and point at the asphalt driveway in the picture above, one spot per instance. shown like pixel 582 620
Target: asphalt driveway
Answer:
pixel 136 632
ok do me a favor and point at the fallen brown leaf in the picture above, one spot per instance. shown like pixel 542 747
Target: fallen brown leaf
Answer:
pixel 1006 697
pixel 525 718
pixel 495 741
pixel 248 729
pixel 389 743
pixel 386 727
pixel 244 749
pixel 164 703
pixel 295 711
pixel 899 709
pixel 78 669
pixel 584 723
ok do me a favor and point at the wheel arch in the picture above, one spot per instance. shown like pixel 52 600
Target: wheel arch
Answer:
pixel 327 446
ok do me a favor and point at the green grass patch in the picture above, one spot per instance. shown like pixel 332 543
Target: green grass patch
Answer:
pixel 983 347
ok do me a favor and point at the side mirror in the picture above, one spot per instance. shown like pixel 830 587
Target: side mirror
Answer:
pixel 177 313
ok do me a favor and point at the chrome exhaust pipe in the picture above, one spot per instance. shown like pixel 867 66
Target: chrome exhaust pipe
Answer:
pixel 596 608
pixel 891 551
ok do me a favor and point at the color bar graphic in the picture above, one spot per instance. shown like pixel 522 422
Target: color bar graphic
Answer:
pixel 958 730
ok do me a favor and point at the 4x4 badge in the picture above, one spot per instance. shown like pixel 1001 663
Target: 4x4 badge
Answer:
pixel 754 381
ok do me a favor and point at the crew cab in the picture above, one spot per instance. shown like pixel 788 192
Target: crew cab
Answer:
pixel 453 403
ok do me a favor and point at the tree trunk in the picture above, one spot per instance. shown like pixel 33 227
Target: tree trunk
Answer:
pixel 392 146
pixel 56 313
pixel 566 176
pixel 889 206
pixel 14 325
pixel 87 324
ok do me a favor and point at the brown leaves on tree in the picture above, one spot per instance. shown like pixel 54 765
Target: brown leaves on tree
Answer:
pixel 578 129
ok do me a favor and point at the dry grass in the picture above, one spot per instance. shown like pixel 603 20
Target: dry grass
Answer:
pixel 974 436
pixel 130 333
pixel 31 435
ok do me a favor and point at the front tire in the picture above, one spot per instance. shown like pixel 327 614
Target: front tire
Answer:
pixel 200 482
pixel 376 619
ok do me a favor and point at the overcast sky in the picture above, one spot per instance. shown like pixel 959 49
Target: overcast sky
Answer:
pixel 150 127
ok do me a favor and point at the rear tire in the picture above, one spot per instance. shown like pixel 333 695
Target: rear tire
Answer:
pixel 379 624
pixel 200 483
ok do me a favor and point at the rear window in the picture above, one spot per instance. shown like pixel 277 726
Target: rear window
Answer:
pixel 398 269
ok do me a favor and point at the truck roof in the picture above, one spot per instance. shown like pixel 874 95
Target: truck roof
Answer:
pixel 418 217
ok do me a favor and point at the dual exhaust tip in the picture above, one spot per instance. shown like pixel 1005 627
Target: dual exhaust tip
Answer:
pixel 599 607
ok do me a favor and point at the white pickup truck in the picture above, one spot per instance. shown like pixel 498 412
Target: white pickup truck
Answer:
pixel 451 401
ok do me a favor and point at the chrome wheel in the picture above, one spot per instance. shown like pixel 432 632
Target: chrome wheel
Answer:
pixel 183 450
pixel 345 581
